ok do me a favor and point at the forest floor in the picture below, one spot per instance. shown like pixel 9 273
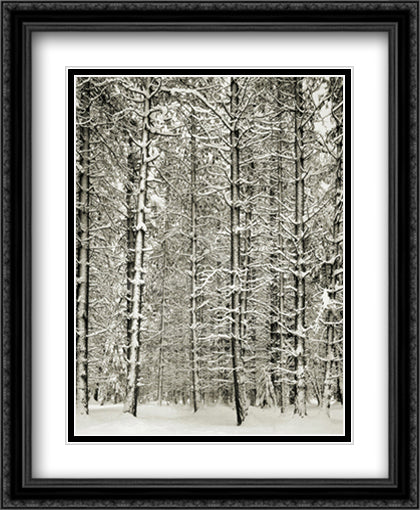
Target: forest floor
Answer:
pixel 217 420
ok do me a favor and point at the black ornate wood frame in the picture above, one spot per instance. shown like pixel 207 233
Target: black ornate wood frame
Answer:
pixel 400 21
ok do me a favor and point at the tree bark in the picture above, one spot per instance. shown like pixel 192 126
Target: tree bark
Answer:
pixel 246 262
pixel 82 272
pixel 132 163
pixel 130 405
pixel 193 268
pixel 277 278
pixel 274 289
pixel 336 274
pixel 300 400
pixel 326 397
pixel 162 318
pixel 235 262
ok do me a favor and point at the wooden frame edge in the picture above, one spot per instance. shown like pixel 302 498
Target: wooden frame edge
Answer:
pixel 19 19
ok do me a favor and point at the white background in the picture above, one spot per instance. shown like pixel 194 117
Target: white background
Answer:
pixel 368 55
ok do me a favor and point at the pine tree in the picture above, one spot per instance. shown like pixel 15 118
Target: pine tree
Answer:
pixel 193 268
pixel 145 157
pixel 210 241
pixel 333 294
pixel 82 273
pixel 235 258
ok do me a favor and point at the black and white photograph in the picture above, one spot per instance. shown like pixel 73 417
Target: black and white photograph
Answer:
pixel 210 254
pixel 209 224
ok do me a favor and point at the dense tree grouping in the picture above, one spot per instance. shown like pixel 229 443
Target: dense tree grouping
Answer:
pixel 209 260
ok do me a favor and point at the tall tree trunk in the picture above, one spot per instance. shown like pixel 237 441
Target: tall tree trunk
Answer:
pixel 132 164
pixel 193 267
pixel 326 397
pixel 281 360
pixel 235 261
pixel 336 274
pixel 246 263
pixel 82 272
pixel 277 280
pixel 300 400
pixel 130 405
pixel 160 360
pixel 331 319
pixel 274 289
pixel 338 374
pixel 281 96
pixel 246 332
pixel 162 317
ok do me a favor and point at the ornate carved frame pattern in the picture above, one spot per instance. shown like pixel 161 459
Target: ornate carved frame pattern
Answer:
pixel 400 21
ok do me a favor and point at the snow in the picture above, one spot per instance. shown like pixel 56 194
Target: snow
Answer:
pixel 325 298
pixel 217 420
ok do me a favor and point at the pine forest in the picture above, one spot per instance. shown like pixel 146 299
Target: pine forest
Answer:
pixel 209 257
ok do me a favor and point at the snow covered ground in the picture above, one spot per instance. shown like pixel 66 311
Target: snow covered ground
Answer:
pixel 218 420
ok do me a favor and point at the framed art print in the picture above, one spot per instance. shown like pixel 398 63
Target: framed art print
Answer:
pixel 244 206
pixel 210 254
